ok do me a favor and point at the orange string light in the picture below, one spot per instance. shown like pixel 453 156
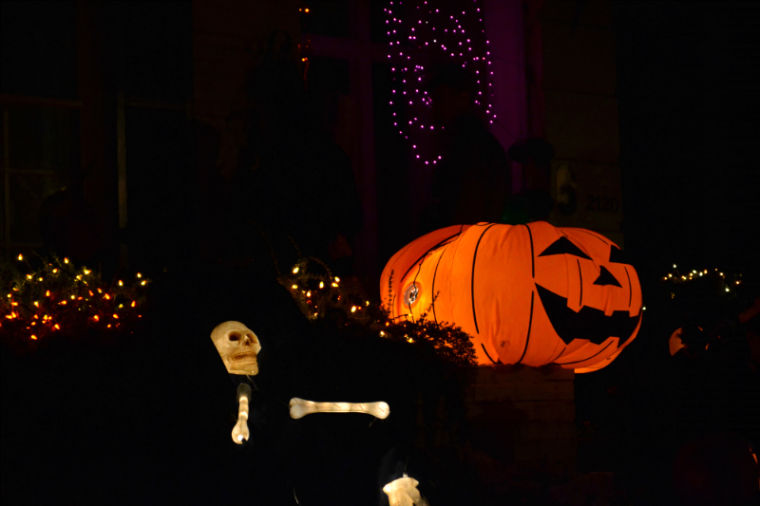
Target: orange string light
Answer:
pixel 58 293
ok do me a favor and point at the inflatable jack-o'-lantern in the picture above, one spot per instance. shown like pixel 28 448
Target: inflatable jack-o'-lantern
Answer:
pixel 529 294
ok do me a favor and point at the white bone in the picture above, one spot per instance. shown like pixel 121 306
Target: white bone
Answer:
pixel 403 492
pixel 240 431
pixel 302 407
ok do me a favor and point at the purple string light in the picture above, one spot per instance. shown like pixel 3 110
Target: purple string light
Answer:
pixel 427 30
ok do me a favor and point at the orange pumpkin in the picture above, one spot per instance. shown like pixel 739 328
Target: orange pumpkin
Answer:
pixel 529 294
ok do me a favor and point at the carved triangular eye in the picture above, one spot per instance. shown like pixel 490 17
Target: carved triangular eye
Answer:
pixel 606 278
pixel 563 245
pixel 617 256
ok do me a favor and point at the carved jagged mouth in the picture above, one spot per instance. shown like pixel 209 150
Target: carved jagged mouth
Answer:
pixel 588 323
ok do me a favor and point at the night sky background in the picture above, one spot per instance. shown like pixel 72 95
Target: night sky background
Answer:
pixel 146 419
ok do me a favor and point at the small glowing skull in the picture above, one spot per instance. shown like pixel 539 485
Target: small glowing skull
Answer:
pixel 403 492
pixel 238 346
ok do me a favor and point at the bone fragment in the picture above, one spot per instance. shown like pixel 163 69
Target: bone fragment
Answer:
pixel 403 492
pixel 240 431
pixel 302 407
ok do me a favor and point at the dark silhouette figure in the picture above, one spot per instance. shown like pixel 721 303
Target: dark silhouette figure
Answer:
pixel 716 397
pixel 717 468
pixel 287 189
pixel 533 202
pixel 470 182
pixel 71 228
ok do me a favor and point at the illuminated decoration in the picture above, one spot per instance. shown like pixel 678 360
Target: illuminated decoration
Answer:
pixel 240 432
pixel 724 282
pixel 238 347
pixel 703 305
pixel 321 297
pixel 59 298
pixel 529 294
pixel 403 492
pixel 302 407
pixel 675 343
pixel 419 31
pixel 304 47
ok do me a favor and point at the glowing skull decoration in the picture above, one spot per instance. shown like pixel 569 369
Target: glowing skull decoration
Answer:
pixel 403 492
pixel 238 346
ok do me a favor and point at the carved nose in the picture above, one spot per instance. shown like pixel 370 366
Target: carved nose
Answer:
pixel 606 278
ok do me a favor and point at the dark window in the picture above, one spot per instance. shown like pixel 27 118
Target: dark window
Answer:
pixel 327 17
pixel 38 48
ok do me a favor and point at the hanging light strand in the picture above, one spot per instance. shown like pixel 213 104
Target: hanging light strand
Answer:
pixel 423 28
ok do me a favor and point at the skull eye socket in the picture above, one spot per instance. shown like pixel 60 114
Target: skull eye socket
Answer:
pixel 234 336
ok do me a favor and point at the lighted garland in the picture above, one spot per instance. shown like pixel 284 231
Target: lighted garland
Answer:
pixel 425 28
pixel 59 298
pixel 321 297
pixel 703 304
pixel 720 280
pixel 701 293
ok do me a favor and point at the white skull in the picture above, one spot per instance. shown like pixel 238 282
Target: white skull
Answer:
pixel 238 346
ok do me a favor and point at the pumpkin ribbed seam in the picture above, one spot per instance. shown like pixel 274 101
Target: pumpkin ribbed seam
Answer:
pixel 432 287
pixel 530 326
pixel 421 257
pixel 472 277
pixel 555 357
pixel 532 293
pixel 589 232
pixel 498 362
pixel 532 255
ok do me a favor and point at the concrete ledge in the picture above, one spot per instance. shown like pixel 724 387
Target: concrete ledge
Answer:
pixel 524 417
